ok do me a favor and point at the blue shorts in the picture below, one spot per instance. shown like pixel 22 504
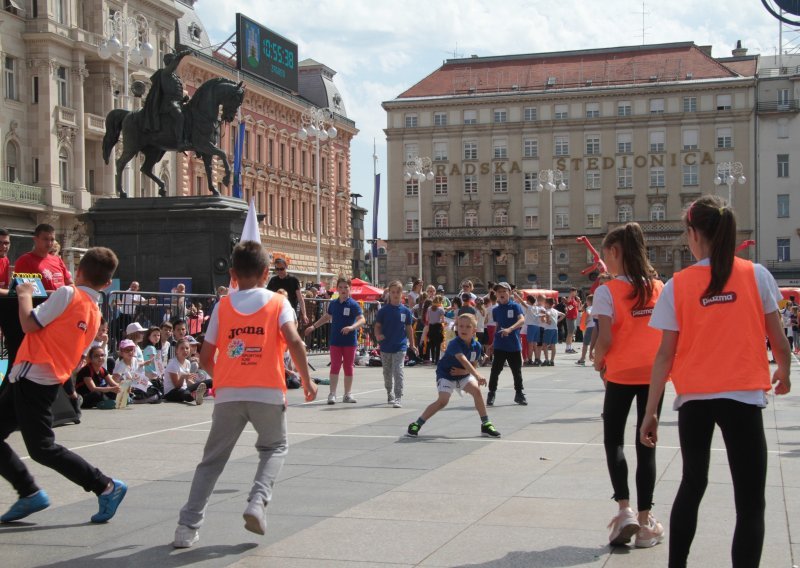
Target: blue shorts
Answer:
pixel 534 334
pixel 550 337
pixel 587 335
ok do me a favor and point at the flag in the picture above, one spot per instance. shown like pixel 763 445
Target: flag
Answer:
pixel 250 232
pixel 237 162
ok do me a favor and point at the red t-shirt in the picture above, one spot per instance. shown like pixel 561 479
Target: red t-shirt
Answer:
pixel 5 277
pixel 53 270
pixel 572 308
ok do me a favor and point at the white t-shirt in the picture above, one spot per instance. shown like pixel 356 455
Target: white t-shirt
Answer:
pixel 174 366
pixel 481 320
pixel 603 304
pixel 134 372
pixel 665 318
pixel 589 316
pixel 531 314
pixel 552 318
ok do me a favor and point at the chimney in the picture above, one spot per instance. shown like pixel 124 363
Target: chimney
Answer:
pixel 739 51
pixel 705 49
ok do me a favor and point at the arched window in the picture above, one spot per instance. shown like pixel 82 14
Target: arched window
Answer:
pixel 440 219
pixel 625 213
pixel 63 169
pixel 658 212
pixel 12 162
pixel 471 218
pixel 501 217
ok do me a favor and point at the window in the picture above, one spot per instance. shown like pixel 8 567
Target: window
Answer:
pixel 530 181
pixel 499 148
pixel 61 85
pixel 63 169
pixel 624 108
pixel 12 162
pixel 440 185
pixel 531 256
pixel 784 254
pixel 440 119
pixel 593 180
pixel 690 175
pixel 412 187
pixel 471 184
pixel 529 114
pixel 470 150
pixel 501 183
pixel 412 222
pixel 723 102
pixel 656 106
pixel 624 178
pixel 462 258
pixel 592 110
pixel 246 146
pixel 690 138
pixel 271 154
pixel 657 177
pixel 440 219
pixel 531 217
pixel 35 89
pixel 652 254
pixel 624 143
pixel 500 115
pixel 562 112
pixel 783 205
pixel 724 138
pixel 10 76
pixel 561 218
pixel 412 258
pixel 562 145
pixel 530 148
pixel 783 128
pixel 624 213
pixel 36 171
pixel 501 217
pixel 282 157
pixel 658 212
pixel 440 151
pixel 783 165
pixel 411 120
pixel 657 141
pixel 689 104
pixel 60 11
pixel 470 218
pixel 470 117
pixel 668 255
pixel 593 145
pixel 593 217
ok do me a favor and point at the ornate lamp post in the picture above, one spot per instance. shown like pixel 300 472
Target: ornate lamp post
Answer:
pixel 552 181
pixel 729 173
pixel 317 123
pixel 123 36
pixel 420 169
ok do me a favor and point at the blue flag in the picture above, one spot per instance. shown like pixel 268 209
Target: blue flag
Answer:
pixel 237 162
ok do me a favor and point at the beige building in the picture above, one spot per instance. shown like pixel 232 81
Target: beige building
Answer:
pixel 636 133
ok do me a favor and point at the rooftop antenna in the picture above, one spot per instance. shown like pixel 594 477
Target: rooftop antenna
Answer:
pixel 644 26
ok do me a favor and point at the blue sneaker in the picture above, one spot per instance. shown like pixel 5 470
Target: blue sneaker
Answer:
pixel 110 502
pixel 26 506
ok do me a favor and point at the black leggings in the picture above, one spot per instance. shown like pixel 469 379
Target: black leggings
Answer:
pixel 742 430
pixel 616 406
pixel 514 359
pixel 435 338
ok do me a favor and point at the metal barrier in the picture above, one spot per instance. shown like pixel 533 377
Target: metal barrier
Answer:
pixel 317 342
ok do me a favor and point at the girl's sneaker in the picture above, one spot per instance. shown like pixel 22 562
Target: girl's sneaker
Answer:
pixel 650 534
pixel 623 527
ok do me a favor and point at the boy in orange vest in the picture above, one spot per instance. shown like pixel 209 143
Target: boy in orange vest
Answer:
pixel 58 333
pixel 243 350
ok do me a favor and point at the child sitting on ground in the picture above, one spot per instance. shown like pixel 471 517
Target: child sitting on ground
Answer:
pixel 180 384
pixel 94 383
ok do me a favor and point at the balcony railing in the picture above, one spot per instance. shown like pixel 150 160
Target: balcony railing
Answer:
pixel 67 116
pixel 468 232
pixel 95 124
pixel 652 229
pixel 68 198
pixel 778 71
pixel 782 266
pixel 782 106
pixel 21 193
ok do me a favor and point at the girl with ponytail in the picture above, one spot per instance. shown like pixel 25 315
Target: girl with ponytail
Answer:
pixel 714 316
pixel 624 354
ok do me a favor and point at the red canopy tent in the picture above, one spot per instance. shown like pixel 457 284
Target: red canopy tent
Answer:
pixel 364 291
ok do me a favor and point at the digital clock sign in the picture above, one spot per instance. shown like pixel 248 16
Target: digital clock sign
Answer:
pixel 264 53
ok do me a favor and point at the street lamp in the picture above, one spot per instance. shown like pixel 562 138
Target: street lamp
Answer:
pixel 420 169
pixel 317 123
pixel 552 181
pixel 729 173
pixel 123 36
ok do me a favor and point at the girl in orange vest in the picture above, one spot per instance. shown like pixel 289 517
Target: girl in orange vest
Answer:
pixel 722 381
pixel 624 353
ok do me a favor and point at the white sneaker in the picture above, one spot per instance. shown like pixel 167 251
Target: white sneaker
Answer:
pixel 396 403
pixel 348 398
pixel 331 398
pixel 390 398
pixel 255 517
pixel 623 527
pixel 200 393
pixel 185 537
pixel 650 534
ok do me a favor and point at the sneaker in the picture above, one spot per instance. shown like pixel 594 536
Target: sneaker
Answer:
pixel 185 537
pixel 520 399
pixel 623 527
pixel 551 363
pixel 106 404
pixel 26 506
pixel 110 502
pixel 413 429
pixel 488 430
pixel 397 403
pixel 331 398
pixel 390 398
pixel 490 399
pixel 348 398
pixel 537 363
pixel 650 534
pixel 200 393
pixel 255 517
pixel 580 362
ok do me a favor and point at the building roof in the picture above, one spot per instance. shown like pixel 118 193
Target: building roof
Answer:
pixel 571 69
pixel 744 65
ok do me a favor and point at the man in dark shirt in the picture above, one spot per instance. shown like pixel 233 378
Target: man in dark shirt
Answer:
pixel 283 281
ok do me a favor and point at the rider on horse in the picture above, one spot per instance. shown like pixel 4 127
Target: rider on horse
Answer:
pixel 166 96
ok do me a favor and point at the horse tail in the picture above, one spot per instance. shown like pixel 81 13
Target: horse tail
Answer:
pixel 113 130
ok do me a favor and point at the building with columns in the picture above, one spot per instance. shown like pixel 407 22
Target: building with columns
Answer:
pixel 636 133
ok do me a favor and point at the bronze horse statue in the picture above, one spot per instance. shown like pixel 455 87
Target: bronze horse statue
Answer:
pixel 202 118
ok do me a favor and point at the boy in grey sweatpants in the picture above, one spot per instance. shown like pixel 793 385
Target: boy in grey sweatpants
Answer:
pixel 394 333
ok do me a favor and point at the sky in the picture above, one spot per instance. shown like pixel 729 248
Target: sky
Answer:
pixel 380 48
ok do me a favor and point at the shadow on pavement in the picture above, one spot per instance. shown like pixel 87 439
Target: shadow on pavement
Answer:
pixel 163 556
pixel 550 558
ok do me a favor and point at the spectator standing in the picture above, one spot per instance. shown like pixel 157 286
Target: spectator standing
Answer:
pixel 284 281
pixel 572 309
pixel 53 270
pixel 5 267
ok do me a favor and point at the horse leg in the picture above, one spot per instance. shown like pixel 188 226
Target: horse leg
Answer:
pixel 122 161
pixel 207 163
pixel 151 157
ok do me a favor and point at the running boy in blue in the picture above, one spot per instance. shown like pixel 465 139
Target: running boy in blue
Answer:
pixel 394 334
pixel 456 370
pixel 509 317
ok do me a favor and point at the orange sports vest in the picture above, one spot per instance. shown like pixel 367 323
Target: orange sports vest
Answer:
pixel 250 347
pixel 62 342
pixel 721 340
pixel 635 343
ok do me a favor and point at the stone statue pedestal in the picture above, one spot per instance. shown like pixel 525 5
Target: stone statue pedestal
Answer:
pixel 169 237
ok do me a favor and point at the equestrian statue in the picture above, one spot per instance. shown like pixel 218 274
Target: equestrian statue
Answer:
pixel 171 121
